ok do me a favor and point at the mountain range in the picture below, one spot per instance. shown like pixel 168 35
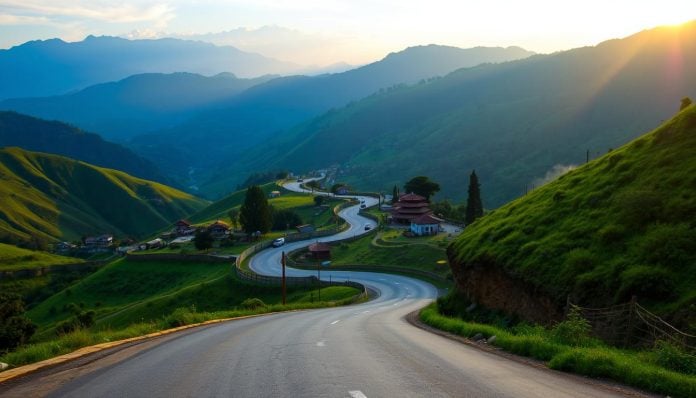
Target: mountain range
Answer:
pixel 54 67
pixel 512 122
pixel 255 117
pixel 54 197
pixel 137 104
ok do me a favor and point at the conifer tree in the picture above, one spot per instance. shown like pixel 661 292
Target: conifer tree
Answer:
pixel 255 213
pixel 395 194
pixel 474 206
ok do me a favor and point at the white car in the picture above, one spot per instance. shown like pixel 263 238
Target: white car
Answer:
pixel 278 242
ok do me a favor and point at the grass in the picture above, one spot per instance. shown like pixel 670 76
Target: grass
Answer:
pixel 69 342
pixel 590 358
pixel 413 256
pixel 621 225
pixel 122 283
pixel 15 258
pixel 53 197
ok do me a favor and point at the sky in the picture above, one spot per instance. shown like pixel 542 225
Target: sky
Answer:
pixel 323 32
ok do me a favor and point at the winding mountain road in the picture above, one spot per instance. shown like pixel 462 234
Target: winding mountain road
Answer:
pixel 366 350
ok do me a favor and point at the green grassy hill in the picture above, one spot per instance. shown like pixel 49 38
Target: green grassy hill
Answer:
pixel 54 197
pixel 622 225
pixel 14 258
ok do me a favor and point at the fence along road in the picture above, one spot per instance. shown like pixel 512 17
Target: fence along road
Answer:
pixel 363 350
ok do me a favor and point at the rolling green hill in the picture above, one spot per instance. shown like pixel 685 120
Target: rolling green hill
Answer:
pixel 622 225
pixel 59 138
pixel 513 122
pixel 14 258
pixel 54 197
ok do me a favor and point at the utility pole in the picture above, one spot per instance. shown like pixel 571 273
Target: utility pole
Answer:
pixel 587 156
pixel 283 284
pixel 319 279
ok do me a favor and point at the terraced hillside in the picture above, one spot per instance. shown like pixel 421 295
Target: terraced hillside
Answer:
pixel 54 197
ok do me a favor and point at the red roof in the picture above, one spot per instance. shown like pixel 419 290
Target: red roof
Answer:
pixel 319 247
pixel 219 224
pixel 183 223
pixel 411 197
pixel 427 219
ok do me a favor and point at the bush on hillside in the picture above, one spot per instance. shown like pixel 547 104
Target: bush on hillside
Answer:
pixel 574 331
pixel 252 303
pixel 15 328
pixel 645 282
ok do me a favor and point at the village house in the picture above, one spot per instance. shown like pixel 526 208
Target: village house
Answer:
pixel 153 244
pixel 344 190
pixel 274 194
pixel 64 247
pixel 101 243
pixel 219 229
pixel 426 225
pixel 184 228
pixel 320 251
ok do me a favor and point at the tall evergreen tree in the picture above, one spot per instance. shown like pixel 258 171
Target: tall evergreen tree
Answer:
pixel 255 213
pixel 395 194
pixel 474 206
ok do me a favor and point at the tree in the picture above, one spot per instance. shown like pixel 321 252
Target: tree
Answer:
pixel 283 219
pixel 314 184
pixel 474 205
pixel 335 187
pixel 422 186
pixel 255 213
pixel 444 209
pixel 15 328
pixel 234 217
pixel 395 194
pixel 685 102
pixel 203 240
pixel 318 200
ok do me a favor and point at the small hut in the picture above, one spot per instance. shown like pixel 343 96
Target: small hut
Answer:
pixel 320 251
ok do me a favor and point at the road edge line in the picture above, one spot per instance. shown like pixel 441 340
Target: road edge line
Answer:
pixel 28 369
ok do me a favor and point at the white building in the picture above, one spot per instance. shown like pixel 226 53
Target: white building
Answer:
pixel 426 225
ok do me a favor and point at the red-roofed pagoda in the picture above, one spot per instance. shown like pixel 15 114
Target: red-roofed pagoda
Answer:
pixel 409 207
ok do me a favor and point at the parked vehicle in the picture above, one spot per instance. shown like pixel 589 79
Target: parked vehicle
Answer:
pixel 368 227
pixel 278 242
pixel 362 206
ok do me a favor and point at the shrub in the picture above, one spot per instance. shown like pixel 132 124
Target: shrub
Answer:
pixel 574 331
pixel 252 303
pixel 670 245
pixel 15 328
pixel 645 282
pixel 611 234
pixel 671 357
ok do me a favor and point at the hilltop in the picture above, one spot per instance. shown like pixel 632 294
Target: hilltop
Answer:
pixel 54 197
pixel 622 225
pixel 59 138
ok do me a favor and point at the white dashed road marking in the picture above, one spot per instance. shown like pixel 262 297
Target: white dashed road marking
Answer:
pixel 336 321
pixel 357 394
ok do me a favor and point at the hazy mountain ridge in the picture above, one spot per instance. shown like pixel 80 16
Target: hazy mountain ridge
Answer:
pixel 54 67
pixel 137 104
pixel 512 122
pixel 53 197
pixel 258 114
pixel 62 139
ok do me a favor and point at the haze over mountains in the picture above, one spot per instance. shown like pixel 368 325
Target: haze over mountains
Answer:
pixel 512 122
pixel 137 104
pixel 54 67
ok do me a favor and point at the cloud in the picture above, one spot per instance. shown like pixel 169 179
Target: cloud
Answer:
pixel 555 172
pixel 96 10
pixel 9 19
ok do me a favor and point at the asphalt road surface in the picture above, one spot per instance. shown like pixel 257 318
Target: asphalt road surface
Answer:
pixel 366 350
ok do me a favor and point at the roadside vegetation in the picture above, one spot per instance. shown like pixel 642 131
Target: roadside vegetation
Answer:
pixel 568 346
pixel 129 298
pixel 622 225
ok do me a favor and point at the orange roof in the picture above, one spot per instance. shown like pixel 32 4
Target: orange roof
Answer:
pixel 220 224
pixel 319 247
